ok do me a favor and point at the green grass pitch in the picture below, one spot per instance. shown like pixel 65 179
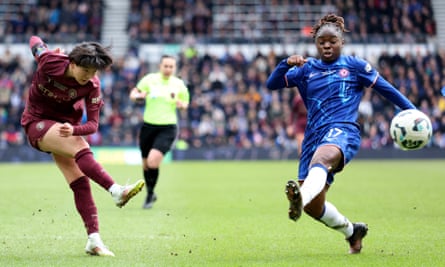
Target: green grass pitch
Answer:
pixel 227 214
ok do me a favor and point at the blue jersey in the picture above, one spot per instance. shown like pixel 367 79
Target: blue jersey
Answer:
pixel 332 93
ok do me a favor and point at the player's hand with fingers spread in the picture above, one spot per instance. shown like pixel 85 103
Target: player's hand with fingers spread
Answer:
pixel 66 130
pixel 296 60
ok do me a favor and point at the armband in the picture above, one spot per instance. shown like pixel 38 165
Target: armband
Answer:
pixel 38 49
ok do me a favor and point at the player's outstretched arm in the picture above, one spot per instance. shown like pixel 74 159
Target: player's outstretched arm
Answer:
pixel 37 46
pixel 392 94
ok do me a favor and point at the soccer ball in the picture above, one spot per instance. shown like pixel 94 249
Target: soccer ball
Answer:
pixel 411 129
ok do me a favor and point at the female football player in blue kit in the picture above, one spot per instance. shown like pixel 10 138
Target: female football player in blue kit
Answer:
pixel 331 87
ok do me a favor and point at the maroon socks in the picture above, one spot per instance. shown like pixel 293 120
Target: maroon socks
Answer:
pixel 85 204
pixel 91 168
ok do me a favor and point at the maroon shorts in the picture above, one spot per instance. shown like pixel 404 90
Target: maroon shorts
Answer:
pixel 36 130
pixel 300 125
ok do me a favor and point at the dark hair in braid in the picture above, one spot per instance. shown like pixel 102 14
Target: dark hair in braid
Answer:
pixel 333 19
pixel 91 54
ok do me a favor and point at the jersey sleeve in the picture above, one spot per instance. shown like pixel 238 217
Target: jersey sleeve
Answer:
pixel 184 94
pixel 144 83
pixel 371 78
pixel 277 79
pixel 294 76
pixel 392 94
pixel 37 46
pixel 93 104
pixel 366 73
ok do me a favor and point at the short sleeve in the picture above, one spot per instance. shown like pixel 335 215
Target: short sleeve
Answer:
pixel 367 74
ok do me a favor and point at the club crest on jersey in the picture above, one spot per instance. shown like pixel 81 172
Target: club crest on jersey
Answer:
pixel 72 93
pixel 343 73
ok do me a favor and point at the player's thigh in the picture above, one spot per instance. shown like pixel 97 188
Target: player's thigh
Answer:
pixel 66 146
pixel 338 146
pixel 329 156
pixel 165 139
pixel 68 167
pixel 161 146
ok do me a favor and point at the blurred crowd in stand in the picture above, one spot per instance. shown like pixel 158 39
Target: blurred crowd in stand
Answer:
pixel 230 105
pixel 61 21
pixel 219 20
pixel 251 21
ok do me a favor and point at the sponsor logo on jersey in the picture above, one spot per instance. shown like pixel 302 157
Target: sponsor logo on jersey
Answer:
pixel 72 93
pixel 329 72
pixel 59 86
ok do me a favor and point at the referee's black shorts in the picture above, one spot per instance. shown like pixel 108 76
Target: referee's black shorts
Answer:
pixel 160 137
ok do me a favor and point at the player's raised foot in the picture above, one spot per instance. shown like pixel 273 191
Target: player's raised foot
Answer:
pixel 127 192
pixel 149 201
pixel 96 247
pixel 295 202
pixel 355 240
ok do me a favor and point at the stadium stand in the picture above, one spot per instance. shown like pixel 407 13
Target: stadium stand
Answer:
pixel 230 105
pixel 65 21
pixel 277 21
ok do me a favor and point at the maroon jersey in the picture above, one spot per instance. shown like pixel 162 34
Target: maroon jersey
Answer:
pixel 53 96
pixel 299 114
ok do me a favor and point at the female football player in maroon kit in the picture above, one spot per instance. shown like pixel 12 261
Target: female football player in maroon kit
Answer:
pixel 62 87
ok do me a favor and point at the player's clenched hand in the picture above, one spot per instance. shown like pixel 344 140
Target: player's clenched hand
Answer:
pixel 58 50
pixel 137 96
pixel 296 60
pixel 66 130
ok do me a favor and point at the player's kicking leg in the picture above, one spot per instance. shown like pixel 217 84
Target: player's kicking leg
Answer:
pixel 353 232
pixel 355 240
pixel 122 194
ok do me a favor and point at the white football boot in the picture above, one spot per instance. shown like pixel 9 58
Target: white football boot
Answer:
pixel 96 247
pixel 126 192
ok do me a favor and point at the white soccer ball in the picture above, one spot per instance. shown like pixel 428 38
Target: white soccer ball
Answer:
pixel 411 129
